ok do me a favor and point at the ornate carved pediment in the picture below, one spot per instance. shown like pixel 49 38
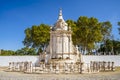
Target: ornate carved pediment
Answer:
pixel 60 24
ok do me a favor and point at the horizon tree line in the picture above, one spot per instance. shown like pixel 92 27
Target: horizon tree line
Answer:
pixel 88 33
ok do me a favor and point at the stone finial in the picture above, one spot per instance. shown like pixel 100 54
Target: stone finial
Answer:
pixel 60 15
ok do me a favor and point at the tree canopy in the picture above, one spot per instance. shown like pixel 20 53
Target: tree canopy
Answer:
pixel 7 52
pixel 88 31
pixel 112 46
pixel 26 51
pixel 22 51
pixel 37 36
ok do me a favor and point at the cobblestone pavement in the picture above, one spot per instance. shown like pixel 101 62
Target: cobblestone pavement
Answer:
pixel 86 76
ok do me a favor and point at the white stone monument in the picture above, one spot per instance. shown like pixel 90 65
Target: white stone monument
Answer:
pixel 61 46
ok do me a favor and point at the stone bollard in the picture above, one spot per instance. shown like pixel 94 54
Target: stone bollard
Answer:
pixel 44 67
pixel 81 66
pixel 31 66
pixel 35 67
pixel 88 67
pixel 28 66
pixel 65 67
pixel 100 66
pixel 13 66
pixel 57 68
pixel 22 66
pixel 25 67
pixel 17 66
pixel 112 66
pixel 91 66
pixel 104 64
pixel 51 67
pixel 10 66
pixel 108 65
pixel 97 66
pixel 41 67
pixel 71 67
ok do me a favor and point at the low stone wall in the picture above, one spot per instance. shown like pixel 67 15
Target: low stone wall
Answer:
pixel 106 58
pixel 4 60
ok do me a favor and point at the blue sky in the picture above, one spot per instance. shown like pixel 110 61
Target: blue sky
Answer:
pixel 17 15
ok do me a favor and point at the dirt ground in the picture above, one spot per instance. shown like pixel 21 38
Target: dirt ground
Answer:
pixel 108 75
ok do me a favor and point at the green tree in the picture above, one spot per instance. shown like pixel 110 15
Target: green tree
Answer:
pixel 26 51
pixel 89 32
pixel 109 45
pixel 106 32
pixel 73 26
pixel 37 36
pixel 7 52
pixel 116 47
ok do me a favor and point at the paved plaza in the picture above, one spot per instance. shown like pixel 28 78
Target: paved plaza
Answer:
pixel 86 76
